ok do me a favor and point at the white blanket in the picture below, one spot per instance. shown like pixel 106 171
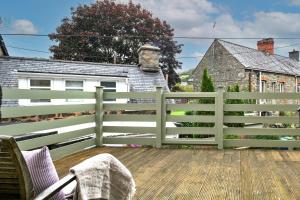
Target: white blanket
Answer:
pixel 103 177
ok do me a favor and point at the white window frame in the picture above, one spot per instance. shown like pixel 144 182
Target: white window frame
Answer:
pixel 109 88
pixel 39 87
pixel 74 88
pixel 263 86
pixel 281 87
pixel 273 86
pixel 58 83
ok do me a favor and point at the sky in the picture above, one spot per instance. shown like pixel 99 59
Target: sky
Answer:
pixel 195 18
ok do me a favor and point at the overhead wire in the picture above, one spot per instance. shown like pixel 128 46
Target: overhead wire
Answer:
pixel 141 36
pixel 180 57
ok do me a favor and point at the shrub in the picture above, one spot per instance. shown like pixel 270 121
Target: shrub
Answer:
pixel 234 88
pixel 206 86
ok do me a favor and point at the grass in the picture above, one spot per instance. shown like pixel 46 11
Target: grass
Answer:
pixel 178 113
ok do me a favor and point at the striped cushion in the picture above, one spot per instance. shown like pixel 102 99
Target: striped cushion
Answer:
pixel 42 171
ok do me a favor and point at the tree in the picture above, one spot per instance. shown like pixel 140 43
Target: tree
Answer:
pixel 105 30
pixel 207 85
pixel 234 88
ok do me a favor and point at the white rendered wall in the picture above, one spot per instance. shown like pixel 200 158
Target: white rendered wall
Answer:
pixel 89 85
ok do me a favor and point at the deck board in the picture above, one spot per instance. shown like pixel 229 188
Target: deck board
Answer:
pixel 204 173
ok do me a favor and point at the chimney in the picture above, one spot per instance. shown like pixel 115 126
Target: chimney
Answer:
pixel 149 58
pixel 266 45
pixel 294 55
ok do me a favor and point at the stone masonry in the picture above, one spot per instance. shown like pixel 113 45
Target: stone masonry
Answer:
pixel 149 58
pixel 225 70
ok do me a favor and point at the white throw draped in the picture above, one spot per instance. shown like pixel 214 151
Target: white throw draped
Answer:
pixel 103 177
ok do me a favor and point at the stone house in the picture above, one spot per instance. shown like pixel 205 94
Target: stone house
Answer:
pixel 48 74
pixel 255 70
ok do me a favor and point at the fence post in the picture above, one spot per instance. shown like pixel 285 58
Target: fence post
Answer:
pixel 158 102
pixel 99 115
pixel 163 117
pixel 219 117
pixel 1 103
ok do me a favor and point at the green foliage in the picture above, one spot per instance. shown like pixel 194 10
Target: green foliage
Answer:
pixel 182 88
pixel 188 124
pixel 266 137
pixel 285 125
pixel 234 88
pixel 184 76
pixel 178 113
pixel 116 21
pixel 206 86
pixel 230 137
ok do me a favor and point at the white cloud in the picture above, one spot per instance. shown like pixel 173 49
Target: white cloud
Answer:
pixel 181 14
pixel 198 55
pixel 197 17
pixel 294 2
pixel 23 26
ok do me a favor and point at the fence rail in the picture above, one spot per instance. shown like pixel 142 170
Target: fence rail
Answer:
pixel 149 122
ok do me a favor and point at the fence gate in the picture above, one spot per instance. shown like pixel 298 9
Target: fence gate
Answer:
pixel 198 117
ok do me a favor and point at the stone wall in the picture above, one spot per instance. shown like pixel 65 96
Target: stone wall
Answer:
pixel 253 81
pixel 288 81
pixel 224 69
pixel 289 85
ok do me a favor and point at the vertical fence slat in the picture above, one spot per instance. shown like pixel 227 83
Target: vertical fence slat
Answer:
pixel 219 117
pixel 158 102
pixel 163 117
pixel 99 116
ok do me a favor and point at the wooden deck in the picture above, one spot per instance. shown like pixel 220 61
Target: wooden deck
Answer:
pixel 205 173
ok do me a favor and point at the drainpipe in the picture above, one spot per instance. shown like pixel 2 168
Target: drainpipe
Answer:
pixel 260 90
pixel 260 85
pixel 296 86
pixel 296 83
pixel 249 79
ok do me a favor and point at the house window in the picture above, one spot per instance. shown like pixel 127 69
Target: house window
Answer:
pixel 73 86
pixel 36 84
pixel 298 88
pixel 281 87
pixel 109 86
pixel 273 86
pixel 263 86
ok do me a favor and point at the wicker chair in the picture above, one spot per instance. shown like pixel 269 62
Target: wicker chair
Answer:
pixel 15 180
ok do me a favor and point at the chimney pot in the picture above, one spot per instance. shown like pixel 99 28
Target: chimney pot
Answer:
pixel 266 45
pixel 294 55
pixel 149 58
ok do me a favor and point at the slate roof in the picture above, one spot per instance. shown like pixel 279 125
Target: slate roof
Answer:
pixel 256 60
pixel 138 80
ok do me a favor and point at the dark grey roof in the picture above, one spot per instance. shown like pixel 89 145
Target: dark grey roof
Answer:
pixel 257 60
pixel 138 79
pixel 3 47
